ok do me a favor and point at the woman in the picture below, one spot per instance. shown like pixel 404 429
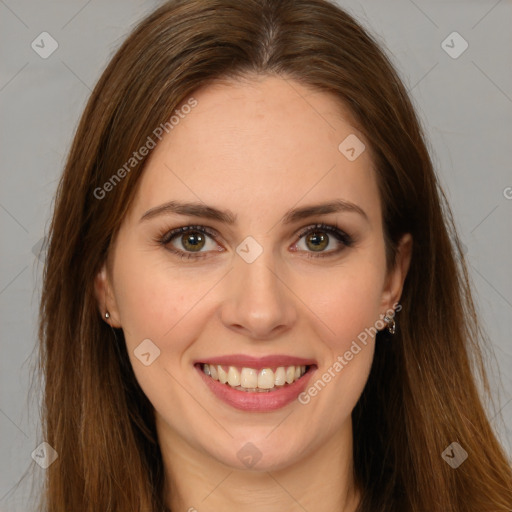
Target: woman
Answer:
pixel 254 296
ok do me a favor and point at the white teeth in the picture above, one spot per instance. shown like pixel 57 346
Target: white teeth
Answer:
pixel 266 379
pixel 223 376
pixel 280 376
pixel 233 377
pixel 249 379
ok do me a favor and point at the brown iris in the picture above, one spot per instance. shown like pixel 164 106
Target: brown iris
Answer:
pixel 193 241
pixel 318 240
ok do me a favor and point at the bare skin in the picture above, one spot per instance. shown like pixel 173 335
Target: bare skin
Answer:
pixel 257 149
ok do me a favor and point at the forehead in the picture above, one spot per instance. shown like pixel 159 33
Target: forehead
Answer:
pixel 264 143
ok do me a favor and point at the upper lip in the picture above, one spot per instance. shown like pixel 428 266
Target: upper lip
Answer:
pixel 271 361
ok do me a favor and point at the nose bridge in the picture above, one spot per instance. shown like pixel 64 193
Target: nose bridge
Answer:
pixel 257 300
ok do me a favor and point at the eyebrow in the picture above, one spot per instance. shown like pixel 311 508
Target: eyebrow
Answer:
pixel 227 217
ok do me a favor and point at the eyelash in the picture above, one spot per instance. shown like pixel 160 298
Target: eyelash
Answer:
pixel 165 237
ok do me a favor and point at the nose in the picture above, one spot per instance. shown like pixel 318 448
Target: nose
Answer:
pixel 258 301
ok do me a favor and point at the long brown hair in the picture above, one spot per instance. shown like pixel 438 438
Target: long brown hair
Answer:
pixel 422 392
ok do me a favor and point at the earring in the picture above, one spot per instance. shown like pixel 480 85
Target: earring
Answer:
pixel 391 324
pixel 107 315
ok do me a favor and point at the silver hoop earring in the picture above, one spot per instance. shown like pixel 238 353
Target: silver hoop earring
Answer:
pixel 107 315
pixel 391 324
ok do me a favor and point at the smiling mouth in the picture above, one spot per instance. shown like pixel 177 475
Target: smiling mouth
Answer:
pixel 252 380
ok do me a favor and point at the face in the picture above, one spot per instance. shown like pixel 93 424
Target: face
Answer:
pixel 255 283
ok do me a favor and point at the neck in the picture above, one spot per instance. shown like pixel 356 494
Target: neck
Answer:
pixel 321 480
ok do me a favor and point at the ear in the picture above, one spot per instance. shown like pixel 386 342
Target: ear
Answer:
pixel 105 297
pixel 396 276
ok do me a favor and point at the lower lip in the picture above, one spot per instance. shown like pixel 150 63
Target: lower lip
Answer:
pixel 257 401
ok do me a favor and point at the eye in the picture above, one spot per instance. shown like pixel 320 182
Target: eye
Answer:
pixel 319 237
pixel 192 240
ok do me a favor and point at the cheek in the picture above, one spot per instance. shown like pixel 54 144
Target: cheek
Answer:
pixel 347 300
pixel 339 380
pixel 154 307
pixel 150 303
pixel 347 304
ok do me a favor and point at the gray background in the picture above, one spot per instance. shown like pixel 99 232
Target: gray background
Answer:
pixel 465 104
